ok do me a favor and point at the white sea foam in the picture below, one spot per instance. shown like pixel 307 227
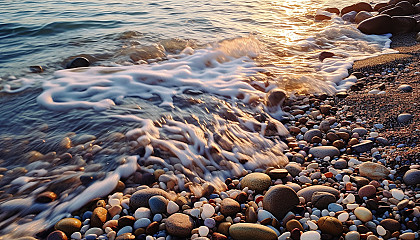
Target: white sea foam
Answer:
pixel 220 71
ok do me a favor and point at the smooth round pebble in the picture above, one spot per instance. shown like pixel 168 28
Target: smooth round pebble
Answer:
pixel 310 235
pixel 363 214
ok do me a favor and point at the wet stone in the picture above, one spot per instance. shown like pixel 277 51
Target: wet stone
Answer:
pixel 46 197
pixel 321 200
pixel 330 225
pixel 57 235
pixel 412 177
pixel 141 197
pixel 279 200
pixel 251 231
pixel 256 181
pixel 229 207
pixel 179 225
pixel 68 225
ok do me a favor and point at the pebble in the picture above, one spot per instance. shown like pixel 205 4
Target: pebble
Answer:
pixel 321 200
pixel 391 225
pixel 172 207
pixel 99 217
pixel 256 181
pixel 353 235
pixel 311 134
pixel 309 191
pixel 229 207
pixel 412 177
pixel 323 151
pixel 404 117
pixel 294 169
pixel 405 88
pixel 363 214
pixel 408 236
pixel 76 236
pixel 334 207
pixel 208 211
pixel 380 230
pixel 142 223
pixel 330 225
pixel 142 212
pixel 68 225
pixel 279 200
pixel 367 191
pixel 251 231
pixel 310 235
pixel 141 197
pixel 203 231
pixel 374 171
pixel 179 225
pixel 364 146
pixel 397 194
pixel 57 235
pixel 158 204
pixel 343 217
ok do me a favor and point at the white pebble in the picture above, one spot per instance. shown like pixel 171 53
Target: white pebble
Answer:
pixel 142 212
pixel 397 194
pixel 203 231
pixel 352 206
pixel 76 235
pixel 346 178
pixel 381 230
pixel 312 225
pixel 343 217
pixel 349 199
pixel 114 202
pixel 310 235
pixel 172 207
pixel 208 211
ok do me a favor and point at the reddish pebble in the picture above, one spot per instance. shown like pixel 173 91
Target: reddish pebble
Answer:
pixel 375 183
pixel 259 199
pixel 218 236
pixel 349 186
pixel 328 174
pixel 367 191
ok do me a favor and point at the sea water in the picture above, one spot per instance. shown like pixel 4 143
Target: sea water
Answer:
pixel 177 85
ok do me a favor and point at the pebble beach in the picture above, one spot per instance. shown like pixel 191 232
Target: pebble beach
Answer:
pixel 352 173
pixel 348 169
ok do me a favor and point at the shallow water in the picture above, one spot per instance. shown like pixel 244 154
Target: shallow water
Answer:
pixel 171 82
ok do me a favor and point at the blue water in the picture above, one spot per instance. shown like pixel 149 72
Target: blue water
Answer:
pixel 48 33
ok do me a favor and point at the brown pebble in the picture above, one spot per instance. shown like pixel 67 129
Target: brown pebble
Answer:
pixel 292 224
pixel 99 217
pixel 126 236
pixel 153 228
pixel 330 225
pixel 224 228
pixel 46 197
pixel 251 215
pixel 139 231
pixel 242 197
pixel 57 235
pixel 391 224
pixel 266 221
pixel 126 221
pixel 120 187
pixel 295 234
pixel 218 236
